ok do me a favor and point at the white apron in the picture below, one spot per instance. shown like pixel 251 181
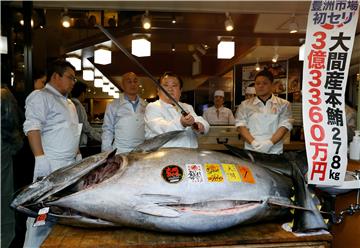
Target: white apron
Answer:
pixel 61 143
pixel 129 132
pixel 262 126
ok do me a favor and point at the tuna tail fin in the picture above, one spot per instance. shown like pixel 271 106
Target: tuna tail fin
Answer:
pixel 305 221
pixel 156 142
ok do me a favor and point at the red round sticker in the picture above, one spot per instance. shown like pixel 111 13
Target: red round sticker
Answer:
pixel 172 173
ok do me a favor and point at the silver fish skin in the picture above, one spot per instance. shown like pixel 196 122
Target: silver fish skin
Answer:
pixel 137 195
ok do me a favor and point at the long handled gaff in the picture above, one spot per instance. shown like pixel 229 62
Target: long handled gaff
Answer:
pixel 133 59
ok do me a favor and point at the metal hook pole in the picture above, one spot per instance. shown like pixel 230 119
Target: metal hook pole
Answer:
pixel 133 59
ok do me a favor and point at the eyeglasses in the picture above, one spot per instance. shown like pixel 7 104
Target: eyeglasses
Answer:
pixel 72 78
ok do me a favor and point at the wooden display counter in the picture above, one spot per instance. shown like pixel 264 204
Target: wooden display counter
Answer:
pixel 347 234
pixel 259 235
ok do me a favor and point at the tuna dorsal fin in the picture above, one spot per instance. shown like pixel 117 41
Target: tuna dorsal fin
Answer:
pixel 156 142
pixel 156 210
pixel 241 153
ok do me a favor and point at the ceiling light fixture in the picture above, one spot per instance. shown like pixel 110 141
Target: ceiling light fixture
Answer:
pixel 88 70
pixel 293 27
pixel 102 55
pixel 3 45
pixel 146 21
pixel 106 87
pixel 173 20
pixel 226 48
pixel 302 52
pixel 257 66
pixel 229 24
pixel 276 55
pixel 97 73
pixel 66 20
pixel 141 47
pixel 75 61
pixel 275 58
pixel 98 82
pixel 31 22
pixel 88 74
pixel 173 48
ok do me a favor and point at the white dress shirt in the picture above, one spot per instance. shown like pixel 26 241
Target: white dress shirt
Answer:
pixel 123 128
pixel 54 115
pixel 161 117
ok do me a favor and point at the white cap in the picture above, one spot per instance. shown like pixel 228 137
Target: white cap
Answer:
pixel 219 93
pixel 250 91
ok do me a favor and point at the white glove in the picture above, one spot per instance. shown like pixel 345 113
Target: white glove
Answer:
pixel 42 167
pixel 255 144
pixel 78 157
pixel 265 146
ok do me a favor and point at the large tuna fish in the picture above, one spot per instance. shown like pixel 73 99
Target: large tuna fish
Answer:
pixel 173 190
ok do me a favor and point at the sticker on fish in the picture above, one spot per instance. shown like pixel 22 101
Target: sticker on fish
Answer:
pixel 195 173
pixel 172 173
pixel 231 173
pixel 214 174
pixel 246 174
pixel 42 214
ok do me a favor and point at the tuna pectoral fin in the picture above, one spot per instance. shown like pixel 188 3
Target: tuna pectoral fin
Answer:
pixel 156 210
pixel 286 205
pixel 156 142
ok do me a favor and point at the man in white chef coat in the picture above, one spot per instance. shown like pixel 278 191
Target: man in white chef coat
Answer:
pixel 123 126
pixel 218 114
pixel 53 131
pixel 264 120
pixel 164 116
